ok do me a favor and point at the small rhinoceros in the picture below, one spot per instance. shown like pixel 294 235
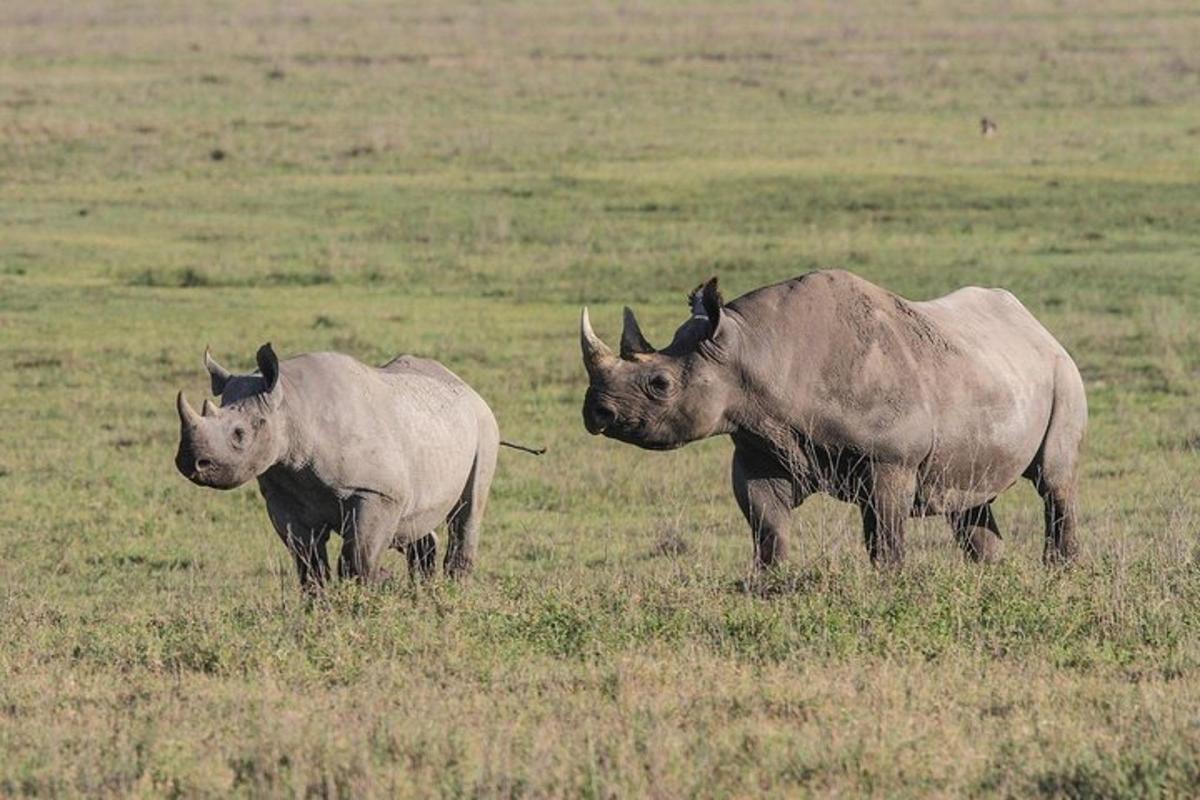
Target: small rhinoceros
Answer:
pixel 828 383
pixel 380 455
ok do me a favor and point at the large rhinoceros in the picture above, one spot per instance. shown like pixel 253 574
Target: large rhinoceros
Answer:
pixel 828 383
pixel 380 455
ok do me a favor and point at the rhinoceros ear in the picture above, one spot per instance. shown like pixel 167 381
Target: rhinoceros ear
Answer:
pixel 268 366
pixel 218 375
pixel 706 302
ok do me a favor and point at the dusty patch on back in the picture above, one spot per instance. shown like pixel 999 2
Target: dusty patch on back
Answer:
pixel 922 329
pixel 428 384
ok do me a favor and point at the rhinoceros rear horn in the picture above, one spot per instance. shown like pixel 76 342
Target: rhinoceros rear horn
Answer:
pixel 187 415
pixel 218 375
pixel 596 354
pixel 632 341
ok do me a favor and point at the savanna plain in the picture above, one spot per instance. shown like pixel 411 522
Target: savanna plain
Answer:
pixel 456 180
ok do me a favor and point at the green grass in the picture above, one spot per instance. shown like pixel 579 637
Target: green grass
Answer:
pixel 456 181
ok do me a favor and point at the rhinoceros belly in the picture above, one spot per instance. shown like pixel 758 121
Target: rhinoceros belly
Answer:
pixel 972 473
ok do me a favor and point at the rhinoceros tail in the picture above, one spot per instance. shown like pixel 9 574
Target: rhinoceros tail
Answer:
pixel 537 451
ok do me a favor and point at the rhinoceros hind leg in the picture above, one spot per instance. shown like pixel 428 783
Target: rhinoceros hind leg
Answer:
pixel 1060 511
pixel 976 532
pixel 1054 472
pixel 464 522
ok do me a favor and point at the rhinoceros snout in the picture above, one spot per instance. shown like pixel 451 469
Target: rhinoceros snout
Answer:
pixel 186 465
pixel 598 416
pixel 192 466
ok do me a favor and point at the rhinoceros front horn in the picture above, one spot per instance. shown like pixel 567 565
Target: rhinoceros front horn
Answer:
pixel 596 354
pixel 187 415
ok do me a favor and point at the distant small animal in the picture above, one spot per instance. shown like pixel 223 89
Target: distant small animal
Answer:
pixel 380 455
pixel 987 127
pixel 828 383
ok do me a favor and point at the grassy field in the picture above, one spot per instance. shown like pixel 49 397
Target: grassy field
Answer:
pixel 456 181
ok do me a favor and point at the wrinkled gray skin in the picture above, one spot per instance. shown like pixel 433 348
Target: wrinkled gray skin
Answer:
pixel 828 383
pixel 380 455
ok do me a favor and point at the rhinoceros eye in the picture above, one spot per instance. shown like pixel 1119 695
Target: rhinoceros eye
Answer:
pixel 660 385
pixel 239 435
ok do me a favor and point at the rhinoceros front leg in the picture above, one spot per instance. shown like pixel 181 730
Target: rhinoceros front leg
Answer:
pixel 305 541
pixel 886 504
pixel 766 493
pixel 368 527
pixel 422 556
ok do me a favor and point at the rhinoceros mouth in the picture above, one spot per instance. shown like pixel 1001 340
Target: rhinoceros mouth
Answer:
pixel 203 475
pixel 210 482
pixel 637 438
pixel 659 446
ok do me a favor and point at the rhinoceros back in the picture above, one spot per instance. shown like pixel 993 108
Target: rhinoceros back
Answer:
pixel 427 384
